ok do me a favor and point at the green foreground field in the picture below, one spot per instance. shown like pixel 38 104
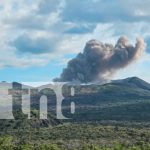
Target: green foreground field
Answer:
pixel 72 136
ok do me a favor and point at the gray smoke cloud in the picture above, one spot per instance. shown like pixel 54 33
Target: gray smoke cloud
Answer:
pixel 99 61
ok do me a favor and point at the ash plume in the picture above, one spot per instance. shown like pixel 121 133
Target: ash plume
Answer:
pixel 100 61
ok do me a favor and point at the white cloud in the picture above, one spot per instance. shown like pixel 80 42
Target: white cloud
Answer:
pixel 46 24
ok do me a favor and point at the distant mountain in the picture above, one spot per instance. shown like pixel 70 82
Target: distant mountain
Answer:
pixel 119 100
pixel 133 81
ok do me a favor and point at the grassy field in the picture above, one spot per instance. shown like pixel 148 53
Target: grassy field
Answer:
pixel 73 136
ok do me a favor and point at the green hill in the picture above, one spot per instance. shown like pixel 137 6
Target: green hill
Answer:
pixel 121 100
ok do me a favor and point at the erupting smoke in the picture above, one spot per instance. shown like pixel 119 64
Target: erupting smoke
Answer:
pixel 99 61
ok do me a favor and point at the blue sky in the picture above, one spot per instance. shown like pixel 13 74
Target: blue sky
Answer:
pixel 39 37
